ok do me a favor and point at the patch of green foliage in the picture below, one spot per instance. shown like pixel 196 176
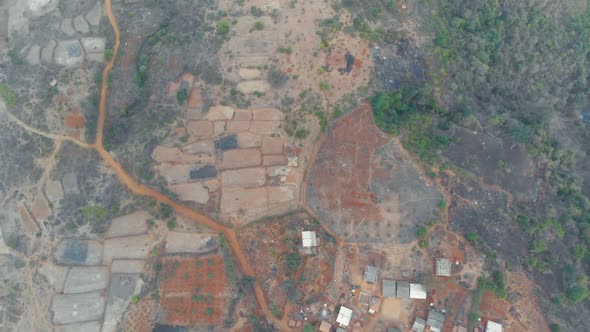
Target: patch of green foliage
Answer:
pixel 285 50
pixel 182 95
pixel 93 213
pixel 259 25
pixel 422 232
pixel 496 284
pixel 142 70
pixel 223 27
pixel 7 94
pixel 412 109
pixel 293 261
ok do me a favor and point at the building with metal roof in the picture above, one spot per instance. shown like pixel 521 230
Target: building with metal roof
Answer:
pixel 418 291
pixel 309 239
pixel 435 320
pixel 388 288
pixel 443 267
pixel 419 325
pixel 403 290
pixel 344 316
pixel 493 327
pixel 371 274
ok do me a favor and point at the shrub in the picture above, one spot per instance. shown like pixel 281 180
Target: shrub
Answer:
pixel 165 211
pixel 276 77
pixel 223 28
pixel 423 244
pixel 472 237
pixel 171 224
pixel 258 25
pixel 576 294
pixel 422 232
pixel 135 299
pixel 182 95
pixel 246 284
pixel 293 261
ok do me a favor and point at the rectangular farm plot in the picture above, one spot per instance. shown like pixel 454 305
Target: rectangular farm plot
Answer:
pixel 192 290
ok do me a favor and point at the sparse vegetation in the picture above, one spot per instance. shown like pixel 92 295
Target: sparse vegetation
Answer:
pixel 276 77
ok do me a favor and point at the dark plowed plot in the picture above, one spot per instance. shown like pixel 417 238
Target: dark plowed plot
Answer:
pixel 192 290
pixel 364 187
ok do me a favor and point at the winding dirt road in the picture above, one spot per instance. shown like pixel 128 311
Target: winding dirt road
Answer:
pixel 143 190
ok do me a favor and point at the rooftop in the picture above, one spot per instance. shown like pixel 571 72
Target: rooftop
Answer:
pixel 419 325
pixel 388 289
pixel 417 291
pixel 325 327
pixel 309 239
pixel 344 316
pixel 371 274
pixel 435 320
pixel 443 267
pixel 403 289
pixel 493 327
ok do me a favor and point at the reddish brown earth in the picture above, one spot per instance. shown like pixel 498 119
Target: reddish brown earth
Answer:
pixel 364 186
pixel 343 169
pixel 191 286
pixel 74 121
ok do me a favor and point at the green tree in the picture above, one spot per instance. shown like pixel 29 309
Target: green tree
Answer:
pixel 293 261
pixel 422 232
pixel 182 95
pixel 223 28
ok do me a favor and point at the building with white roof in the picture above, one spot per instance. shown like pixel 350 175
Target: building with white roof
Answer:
pixel 418 291
pixel 309 239
pixel 344 316
pixel 493 327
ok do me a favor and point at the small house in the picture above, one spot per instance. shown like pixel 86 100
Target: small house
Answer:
pixel 371 274
pixel 418 291
pixel 435 320
pixel 419 325
pixel 344 316
pixel 493 326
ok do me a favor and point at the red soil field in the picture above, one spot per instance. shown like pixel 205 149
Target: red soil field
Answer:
pixel 192 290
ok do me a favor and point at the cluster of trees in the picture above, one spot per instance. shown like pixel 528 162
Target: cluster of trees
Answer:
pixel 515 65
pixel 413 109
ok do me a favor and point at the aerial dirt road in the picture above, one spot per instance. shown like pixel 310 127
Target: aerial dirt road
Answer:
pixel 142 190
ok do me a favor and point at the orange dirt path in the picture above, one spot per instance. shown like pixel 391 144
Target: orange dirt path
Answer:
pixel 143 190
